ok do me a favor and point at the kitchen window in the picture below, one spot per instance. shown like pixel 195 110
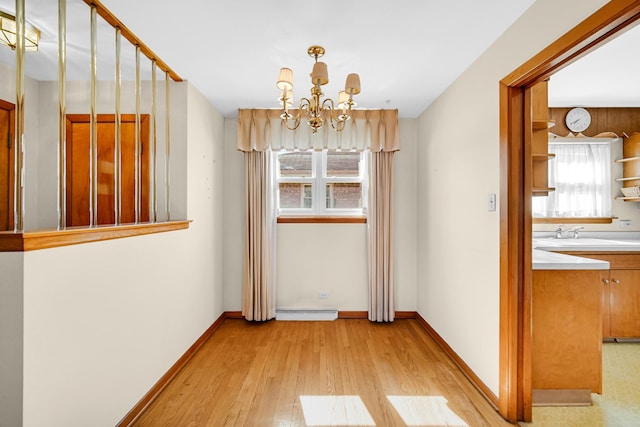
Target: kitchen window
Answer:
pixel 581 176
pixel 320 183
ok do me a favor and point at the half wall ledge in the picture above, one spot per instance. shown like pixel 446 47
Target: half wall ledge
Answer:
pixel 52 238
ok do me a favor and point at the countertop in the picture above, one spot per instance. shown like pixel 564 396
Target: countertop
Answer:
pixel 546 258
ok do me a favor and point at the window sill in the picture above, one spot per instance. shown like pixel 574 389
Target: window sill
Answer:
pixel 586 220
pixel 315 219
pixel 45 239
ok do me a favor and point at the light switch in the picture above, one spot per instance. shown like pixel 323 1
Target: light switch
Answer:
pixel 624 223
pixel 492 202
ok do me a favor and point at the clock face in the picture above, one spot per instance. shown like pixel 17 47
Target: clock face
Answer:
pixel 577 119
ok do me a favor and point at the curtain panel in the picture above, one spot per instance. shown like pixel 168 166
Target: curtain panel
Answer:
pixel 374 130
pixel 258 287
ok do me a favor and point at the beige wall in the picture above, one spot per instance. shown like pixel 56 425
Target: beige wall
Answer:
pixel 458 155
pixel 100 315
pixel 335 254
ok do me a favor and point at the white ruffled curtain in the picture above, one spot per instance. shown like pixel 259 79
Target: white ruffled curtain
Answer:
pixel 581 175
pixel 260 131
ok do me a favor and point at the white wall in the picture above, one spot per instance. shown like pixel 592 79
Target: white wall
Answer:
pixel 100 315
pixel 458 156
pixel 322 248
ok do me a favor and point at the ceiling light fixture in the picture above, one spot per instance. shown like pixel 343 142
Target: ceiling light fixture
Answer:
pixel 8 33
pixel 317 110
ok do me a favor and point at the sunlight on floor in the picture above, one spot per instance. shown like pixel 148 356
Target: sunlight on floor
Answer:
pixel 425 411
pixel 335 411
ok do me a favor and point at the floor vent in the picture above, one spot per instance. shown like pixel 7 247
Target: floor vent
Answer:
pixel 306 314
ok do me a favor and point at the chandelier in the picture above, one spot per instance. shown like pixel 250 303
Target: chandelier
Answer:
pixel 8 33
pixel 316 110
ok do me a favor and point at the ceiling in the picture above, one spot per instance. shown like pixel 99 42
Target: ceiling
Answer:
pixel 407 52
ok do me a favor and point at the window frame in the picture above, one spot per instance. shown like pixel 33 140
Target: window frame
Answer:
pixel 319 180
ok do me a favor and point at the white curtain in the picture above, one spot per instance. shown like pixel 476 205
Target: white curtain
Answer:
pixel 581 175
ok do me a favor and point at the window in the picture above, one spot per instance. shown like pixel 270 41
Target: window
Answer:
pixel 581 175
pixel 320 182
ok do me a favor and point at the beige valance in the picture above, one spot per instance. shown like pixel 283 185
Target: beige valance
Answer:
pixel 374 130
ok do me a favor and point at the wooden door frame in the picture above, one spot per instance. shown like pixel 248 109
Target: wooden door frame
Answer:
pixel 515 202
pixel 11 109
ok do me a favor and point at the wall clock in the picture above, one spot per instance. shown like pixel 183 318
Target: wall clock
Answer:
pixel 577 119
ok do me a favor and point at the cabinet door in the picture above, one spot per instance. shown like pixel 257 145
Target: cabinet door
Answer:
pixel 624 303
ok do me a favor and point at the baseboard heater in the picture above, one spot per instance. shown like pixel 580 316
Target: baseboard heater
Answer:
pixel 306 314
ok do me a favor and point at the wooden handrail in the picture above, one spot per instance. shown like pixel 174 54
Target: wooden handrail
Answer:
pixel 112 20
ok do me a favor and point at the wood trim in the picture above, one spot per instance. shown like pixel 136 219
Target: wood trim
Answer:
pixel 353 315
pixel 311 219
pixel 112 20
pixel 615 16
pixel 164 381
pixel 572 220
pixel 457 360
pixel 233 315
pixel 406 315
pixel 515 218
pixel 44 239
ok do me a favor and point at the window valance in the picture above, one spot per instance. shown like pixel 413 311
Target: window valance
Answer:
pixel 374 130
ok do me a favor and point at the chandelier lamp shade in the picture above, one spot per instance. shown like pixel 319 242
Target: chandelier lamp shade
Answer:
pixel 9 33
pixel 316 110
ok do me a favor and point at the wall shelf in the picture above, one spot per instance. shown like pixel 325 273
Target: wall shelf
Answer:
pixel 543 124
pixel 629 178
pixel 628 159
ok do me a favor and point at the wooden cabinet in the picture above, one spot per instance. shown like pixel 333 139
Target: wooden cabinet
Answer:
pixel 538 135
pixel 630 165
pixel 566 330
pixel 620 294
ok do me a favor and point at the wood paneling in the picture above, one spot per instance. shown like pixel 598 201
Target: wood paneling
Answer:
pixel 567 330
pixel 618 120
pixel 253 373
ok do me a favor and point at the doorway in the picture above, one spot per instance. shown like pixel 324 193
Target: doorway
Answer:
pixel 78 169
pixel 516 191
pixel 7 125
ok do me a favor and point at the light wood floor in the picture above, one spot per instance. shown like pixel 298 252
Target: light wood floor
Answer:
pixel 344 373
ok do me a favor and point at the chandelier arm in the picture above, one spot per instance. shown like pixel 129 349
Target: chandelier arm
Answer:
pixel 337 123
pixel 304 104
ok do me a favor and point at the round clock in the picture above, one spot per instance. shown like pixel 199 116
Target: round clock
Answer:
pixel 577 119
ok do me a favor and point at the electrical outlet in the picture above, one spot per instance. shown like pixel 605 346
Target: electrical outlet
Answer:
pixel 323 295
pixel 624 223
pixel 492 202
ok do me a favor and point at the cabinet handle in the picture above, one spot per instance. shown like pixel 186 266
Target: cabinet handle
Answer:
pixel 615 280
pixel 605 281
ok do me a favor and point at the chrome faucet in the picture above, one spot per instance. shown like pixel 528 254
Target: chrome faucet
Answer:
pixel 559 232
pixel 575 230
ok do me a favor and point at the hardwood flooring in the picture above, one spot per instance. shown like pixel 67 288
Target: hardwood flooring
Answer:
pixel 341 373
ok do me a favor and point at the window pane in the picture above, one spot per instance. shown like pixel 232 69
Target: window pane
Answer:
pixel 343 164
pixel 296 164
pixel 344 196
pixel 296 195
